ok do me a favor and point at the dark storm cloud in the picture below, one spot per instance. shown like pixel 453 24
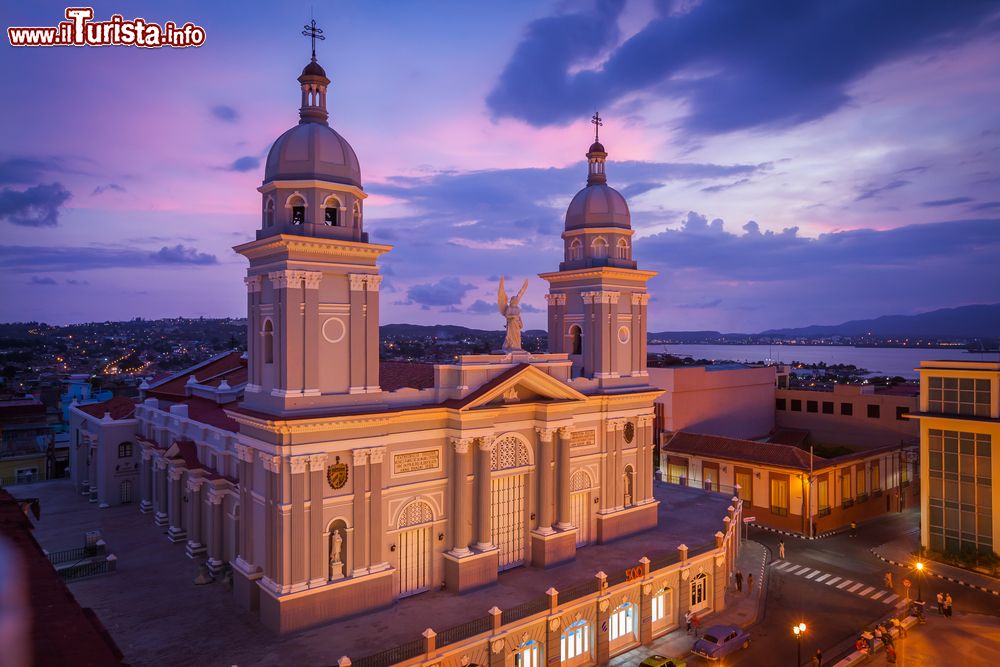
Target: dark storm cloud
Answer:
pixel 736 65
pixel 935 203
pixel 37 206
pixel 225 113
pixel 245 163
pixel 68 258
pixel 449 291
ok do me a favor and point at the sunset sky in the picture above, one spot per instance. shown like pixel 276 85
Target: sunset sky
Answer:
pixel 786 163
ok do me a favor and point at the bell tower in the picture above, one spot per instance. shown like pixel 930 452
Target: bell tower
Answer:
pixel 597 301
pixel 313 283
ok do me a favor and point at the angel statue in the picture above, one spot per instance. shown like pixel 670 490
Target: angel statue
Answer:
pixel 511 309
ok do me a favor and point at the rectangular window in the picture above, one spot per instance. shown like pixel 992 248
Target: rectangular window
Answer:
pixel 125 450
pixel 876 476
pixel 873 411
pixel 901 413
pixel 622 622
pixel 779 404
pixel 796 405
pixel 959 497
pixel 779 496
pixel 861 491
pixel 812 406
pixel 823 495
pixel 847 409
pixel 846 497
pixel 827 407
pixel 964 396
pixel 745 481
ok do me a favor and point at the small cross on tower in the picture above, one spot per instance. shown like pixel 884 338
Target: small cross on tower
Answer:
pixel 315 33
pixel 596 120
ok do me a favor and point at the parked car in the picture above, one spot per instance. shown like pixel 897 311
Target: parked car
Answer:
pixel 720 640
pixel 662 661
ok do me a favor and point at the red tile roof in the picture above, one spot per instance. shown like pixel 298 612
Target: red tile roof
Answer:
pixel 211 413
pixel 120 407
pixel 232 367
pixel 789 436
pixel 21 408
pixel 395 375
pixel 62 632
pixel 765 453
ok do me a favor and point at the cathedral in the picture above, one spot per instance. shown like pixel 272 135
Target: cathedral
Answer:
pixel 339 484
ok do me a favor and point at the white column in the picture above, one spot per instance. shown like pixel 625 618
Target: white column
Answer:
pixel 564 514
pixel 461 501
pixel 543 466
pixel 483 476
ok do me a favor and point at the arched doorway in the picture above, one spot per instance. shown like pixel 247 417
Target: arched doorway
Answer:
pixel 580 486
pixel 511 457
pixel 415 546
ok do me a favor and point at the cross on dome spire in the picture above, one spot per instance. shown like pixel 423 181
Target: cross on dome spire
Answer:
pixel 314 33
pixel 596 120
pixel 596 155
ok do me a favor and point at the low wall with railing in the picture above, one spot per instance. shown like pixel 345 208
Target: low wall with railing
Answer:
pixel 589 622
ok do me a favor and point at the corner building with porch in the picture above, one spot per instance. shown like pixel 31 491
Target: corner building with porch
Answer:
pixel 350 495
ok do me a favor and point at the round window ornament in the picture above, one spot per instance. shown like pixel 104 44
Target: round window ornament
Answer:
pixel 623 335
pixel 334 330
pixel 629 432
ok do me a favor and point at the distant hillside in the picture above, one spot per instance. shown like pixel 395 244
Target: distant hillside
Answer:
pixel 686 336
pixel 442 331
pixel 981 321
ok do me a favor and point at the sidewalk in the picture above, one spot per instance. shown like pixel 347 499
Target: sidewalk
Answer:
pixel 899 552
pixel 742 609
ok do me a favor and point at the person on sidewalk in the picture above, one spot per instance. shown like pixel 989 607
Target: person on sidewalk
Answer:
pixel 818 658
pixel 900 628
pixel 886 635
pixel 854 528
pixel 750 583
pixel 687 619
pixel 695 624
pixel 890 655
pixel 781 549
pixel 739 581
pixel 878 637
pixel 940 603
pixel 888 580
pixel 947 605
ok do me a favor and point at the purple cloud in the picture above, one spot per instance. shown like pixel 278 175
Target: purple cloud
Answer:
pixel 77 258
pixel 38 206
pixel 245 163
pixel 449 291
pixel 225 113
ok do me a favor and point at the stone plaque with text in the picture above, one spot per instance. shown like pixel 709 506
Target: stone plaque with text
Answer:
pixel 429 459
pixel 582 439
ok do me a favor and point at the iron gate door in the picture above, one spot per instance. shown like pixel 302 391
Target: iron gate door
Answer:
pixel 507 519
pixel 581 517
pixel 414 560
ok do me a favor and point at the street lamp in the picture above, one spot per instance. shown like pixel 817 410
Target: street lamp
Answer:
pixel 920 580
pixel 798 630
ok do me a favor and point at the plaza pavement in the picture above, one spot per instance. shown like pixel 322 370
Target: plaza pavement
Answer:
pixel 159 617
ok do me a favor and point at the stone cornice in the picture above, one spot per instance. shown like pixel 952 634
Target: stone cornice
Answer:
pixel 309 244
pixel 313 183
pixel 621 231
pixel 461 445
pixel 640 298
pixel 600 297
pixel 604 272
pixel 556 299
pixel 545 434
pixel 271 463
pixel 289 278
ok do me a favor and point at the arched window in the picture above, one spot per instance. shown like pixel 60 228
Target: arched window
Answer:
pixel 575 250
pixel 357 214
pixel 268 334
pixel 575 339
pixel 331 211
pixel 528 654
pixel 575 642
pixel 699 592
pixel 269 213
pixel 621 624
pixel 662 601
pixel 599 248
pixel 629 480
pixel 298 205
pixel 125 450
pixel 622 246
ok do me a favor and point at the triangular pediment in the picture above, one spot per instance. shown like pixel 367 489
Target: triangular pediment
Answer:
pixel 526 384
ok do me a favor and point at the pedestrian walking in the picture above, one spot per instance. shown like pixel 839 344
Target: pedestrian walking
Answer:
pixel 854 527
pixel 886 635
pixel 695 624
pixel 739 581
pixel 890 655
pixel 818 658
pixel 947 605
pixel 940 603
pixel 900 628
pixel 750 583
pixel 687 618
pixel 781 549
pixel 888 580
pixel 878 637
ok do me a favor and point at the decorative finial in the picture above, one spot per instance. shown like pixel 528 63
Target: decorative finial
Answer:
pixel 595 119
pixel 315 33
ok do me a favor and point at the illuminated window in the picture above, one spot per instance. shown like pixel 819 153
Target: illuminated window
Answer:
pixel 745 482
pixel 699 592
pixel 661 603
pixel 779 496
pixel 876 476
pixel 575 641
pixel 528 654
pixel 622 622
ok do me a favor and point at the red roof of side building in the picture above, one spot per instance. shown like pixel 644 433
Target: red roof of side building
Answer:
pixel 789 436
pixel 765 453
pixel 211 413
pixel 62 632
pixel 395 375
pixel 120 407
pixel 231 367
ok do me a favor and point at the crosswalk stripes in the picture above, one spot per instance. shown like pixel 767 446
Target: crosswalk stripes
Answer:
pixel 847 585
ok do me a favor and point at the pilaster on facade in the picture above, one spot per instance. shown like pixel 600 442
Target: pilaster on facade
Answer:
pixel 298 464
pixel 359 456
pixel 376 454
pixel 317 462
pixel 461 445
pixel 357 281
pixel 373 282
pixel 640 298
pixel 254 283
pixel 270 462
pixel 555 299
pixel 244 453
pixel 287 278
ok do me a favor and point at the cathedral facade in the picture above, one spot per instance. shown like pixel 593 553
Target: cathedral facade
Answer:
pixel 332 483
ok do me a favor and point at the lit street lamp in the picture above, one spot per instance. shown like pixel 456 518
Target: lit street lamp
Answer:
pixel 798 630
pixel 920 580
